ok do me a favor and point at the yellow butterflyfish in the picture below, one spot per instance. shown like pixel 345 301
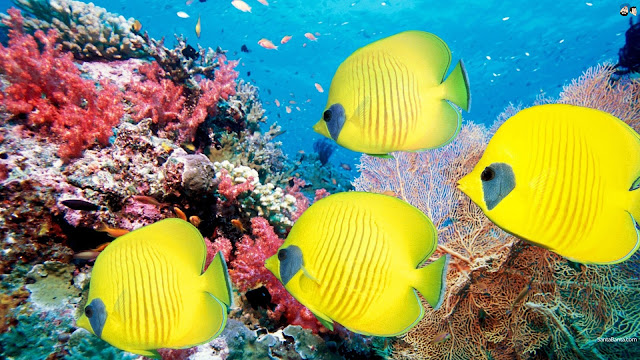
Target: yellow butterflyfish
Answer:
pixel 148 290
pixel 391 95
pixel 565 178
pixel 355 258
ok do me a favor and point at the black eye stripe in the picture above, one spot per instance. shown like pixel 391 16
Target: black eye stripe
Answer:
pixel 282 254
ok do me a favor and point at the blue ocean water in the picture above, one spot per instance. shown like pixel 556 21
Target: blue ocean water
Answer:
pixel 513 51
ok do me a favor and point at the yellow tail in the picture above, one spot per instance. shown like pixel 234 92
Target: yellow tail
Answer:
pixel 431 281
pixel 456 87
pixel 217 280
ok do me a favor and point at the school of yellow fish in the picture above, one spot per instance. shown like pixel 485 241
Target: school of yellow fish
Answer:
pixel 562 177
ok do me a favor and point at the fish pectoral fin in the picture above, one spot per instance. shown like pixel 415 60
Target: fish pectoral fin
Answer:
pixel 308 274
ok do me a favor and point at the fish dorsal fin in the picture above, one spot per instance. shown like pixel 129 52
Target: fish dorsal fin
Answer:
pixel 175 238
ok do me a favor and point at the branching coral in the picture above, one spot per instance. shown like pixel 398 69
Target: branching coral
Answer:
pixel 596 89
pixel 88 31
pixel 46 86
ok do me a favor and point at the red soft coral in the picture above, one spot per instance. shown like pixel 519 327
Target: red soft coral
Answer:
pixel 247 272
pixel 166 103
pixel 156 97
pixel 46 86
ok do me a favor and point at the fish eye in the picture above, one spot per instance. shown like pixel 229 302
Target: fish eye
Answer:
pixel 487 174
pixel 88 311
pixel 282 254
pixel 327 115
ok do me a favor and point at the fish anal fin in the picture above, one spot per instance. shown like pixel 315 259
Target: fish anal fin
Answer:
pixel 324 320
pixel 208 321
pixel 382 156
pixel 152 354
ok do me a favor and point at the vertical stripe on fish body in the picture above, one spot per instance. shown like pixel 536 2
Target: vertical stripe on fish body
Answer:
pixel 360 253
pixel 393 96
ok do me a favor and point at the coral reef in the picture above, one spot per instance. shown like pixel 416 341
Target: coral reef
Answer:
pixel 183 62
pixel 47 89
pixel 241 183
pixel 86 30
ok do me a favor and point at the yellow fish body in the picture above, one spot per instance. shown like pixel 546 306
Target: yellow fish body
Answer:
pixel 390 96
pixel 353 258
pixel 148 291
pixel 565 178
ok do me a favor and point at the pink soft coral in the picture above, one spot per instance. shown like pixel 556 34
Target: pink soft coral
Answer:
pixel 247 272
pixel 46 86
pixel 229 191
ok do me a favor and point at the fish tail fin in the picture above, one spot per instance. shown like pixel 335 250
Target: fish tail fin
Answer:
pixel 431 281
pixel 456 87
pixel 217 281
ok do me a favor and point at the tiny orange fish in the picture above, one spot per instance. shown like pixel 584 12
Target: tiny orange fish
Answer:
pixel 263 2
pixel 277 103
pixel 288 108
pixel 238 225
pixel 308 100
pixel 241 5
pixel 101 247
pixel 304 45
pixel 345 166
pixel 310 36
pixel 319 88
pixel 267 44
pixel 194 220
pixel 179 213
pixel 113 232
pixel 298 108
pixel 137 26
pixel 198 27
pixel 292 101
pixel 285 39
pixel 441 337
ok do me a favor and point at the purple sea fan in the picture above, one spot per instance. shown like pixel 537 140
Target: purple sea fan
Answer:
pixel 427 179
